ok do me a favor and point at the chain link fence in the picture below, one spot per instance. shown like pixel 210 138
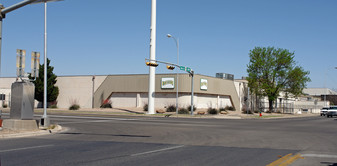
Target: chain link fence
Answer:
pixel 286 107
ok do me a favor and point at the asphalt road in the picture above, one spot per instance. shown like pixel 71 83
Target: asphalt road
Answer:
pixel 125 140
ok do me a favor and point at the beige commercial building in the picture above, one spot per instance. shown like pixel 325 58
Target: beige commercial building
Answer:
pixel 132 91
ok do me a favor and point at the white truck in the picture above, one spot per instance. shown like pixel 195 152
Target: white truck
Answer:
pixel 332 111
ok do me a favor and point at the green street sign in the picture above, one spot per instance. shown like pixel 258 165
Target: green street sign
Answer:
pixel 185 68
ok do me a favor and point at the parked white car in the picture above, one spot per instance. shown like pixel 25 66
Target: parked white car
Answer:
pixel 332 111
pixel 324 110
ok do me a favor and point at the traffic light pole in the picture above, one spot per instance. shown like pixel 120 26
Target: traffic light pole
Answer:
pixel 152 72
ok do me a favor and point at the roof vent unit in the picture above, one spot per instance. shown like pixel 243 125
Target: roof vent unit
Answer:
pixel 225 76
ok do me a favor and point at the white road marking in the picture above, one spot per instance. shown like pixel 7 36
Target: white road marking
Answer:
pixel 90 121
pixel 319 155
pixel 147 121
pixel 159 150
pixel 26 148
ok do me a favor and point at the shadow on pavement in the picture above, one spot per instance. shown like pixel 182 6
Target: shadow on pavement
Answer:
pixel 329 163
pixel 128 111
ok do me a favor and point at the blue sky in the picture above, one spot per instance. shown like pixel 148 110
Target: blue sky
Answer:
pixel 87 37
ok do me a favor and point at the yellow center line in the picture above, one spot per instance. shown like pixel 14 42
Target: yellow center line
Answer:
pixel 280 160
pixel 291 160
pixel 286 160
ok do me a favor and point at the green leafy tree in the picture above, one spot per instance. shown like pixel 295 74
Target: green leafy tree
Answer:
pixel 272 70
pixel 52 90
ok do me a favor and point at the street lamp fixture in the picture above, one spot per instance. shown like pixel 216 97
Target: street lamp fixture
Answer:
pixel 177 44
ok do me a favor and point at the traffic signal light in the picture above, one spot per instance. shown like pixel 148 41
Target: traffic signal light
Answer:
pixel 170 67
pixel 151 64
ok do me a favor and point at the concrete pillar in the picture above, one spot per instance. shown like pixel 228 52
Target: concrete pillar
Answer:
pixel 138 100
pixel 218 102
pixel 22 108
pixel 22 105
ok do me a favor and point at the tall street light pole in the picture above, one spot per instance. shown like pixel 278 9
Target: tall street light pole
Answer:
pixel 152 72
pixel 177 44
pixel 45 118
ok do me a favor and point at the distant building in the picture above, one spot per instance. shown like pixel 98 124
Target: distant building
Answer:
pixel 323 94
pixel 209 92
pixel 319 91
pixel 132 91
pixel 311 102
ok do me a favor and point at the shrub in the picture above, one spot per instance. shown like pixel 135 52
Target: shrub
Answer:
pixel 4 106
pixel 183 111
pixel 106 105
pixel 189 108
pixel 256 111
pixel 171 108
pixel 249 112
pixel 222 109
pixel 74 104
pixel 230 108
pixel 74 107
pixel 53 106
pixel 145 107
pixel 244 111
pixel 212 111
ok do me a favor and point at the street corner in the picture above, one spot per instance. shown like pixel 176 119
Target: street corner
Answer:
pixel 53 128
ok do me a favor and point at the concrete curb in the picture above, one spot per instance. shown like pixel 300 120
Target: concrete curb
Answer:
pixel 21 134
pixel 227 117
